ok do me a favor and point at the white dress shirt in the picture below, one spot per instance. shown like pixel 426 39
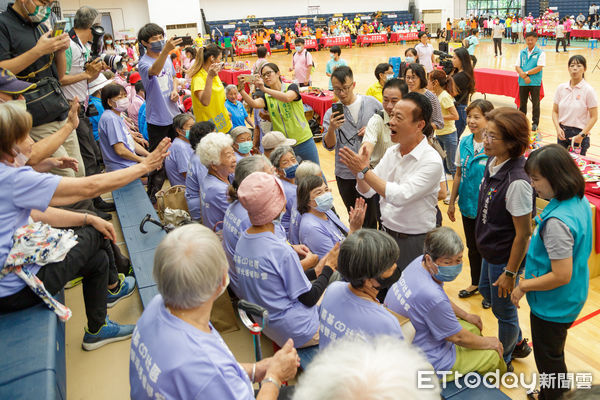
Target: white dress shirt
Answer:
pixel 412 186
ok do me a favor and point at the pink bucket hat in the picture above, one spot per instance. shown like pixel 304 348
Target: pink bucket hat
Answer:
pixel 262 196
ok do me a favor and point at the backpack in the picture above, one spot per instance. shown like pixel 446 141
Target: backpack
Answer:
pixel 466 42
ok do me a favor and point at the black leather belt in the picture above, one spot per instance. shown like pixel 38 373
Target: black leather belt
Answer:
pixel 399 235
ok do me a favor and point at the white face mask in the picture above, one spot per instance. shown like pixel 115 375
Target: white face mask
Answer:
pixel 20 158
pixel 121 105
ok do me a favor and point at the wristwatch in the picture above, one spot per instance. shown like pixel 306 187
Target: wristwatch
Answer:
pixel 361 174
pixel 509 273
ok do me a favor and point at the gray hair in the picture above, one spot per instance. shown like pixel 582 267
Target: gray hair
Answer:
pixel 353 369
pixel 245 167
pixel 180 120
pixel 238 130
pixel 279 152
pixel 210 148
pixel 442 242
pixel 366 254
pixel 189 266
pixel 85 17
pixel 307 168
pixel 229 88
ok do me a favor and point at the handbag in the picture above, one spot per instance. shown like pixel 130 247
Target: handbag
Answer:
pixel 46 101
pixel 174 199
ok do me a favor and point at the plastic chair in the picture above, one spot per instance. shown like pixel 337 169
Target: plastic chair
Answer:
pixel 592 43
pixel 395 62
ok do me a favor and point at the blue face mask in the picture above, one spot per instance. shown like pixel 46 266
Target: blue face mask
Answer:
pixel 187 133
pixel 447 273
pixel 409 60
pixel 278 219
pixel 324 202
pixel 156 47
pixel 290 172
pixel 245 147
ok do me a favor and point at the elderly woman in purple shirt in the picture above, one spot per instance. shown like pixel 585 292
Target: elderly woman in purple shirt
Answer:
pixel 216 154
pixel 196 170
pixel 181 151
pixel 191 273
pixel 320 227
pixel 28 194
pixel 284 160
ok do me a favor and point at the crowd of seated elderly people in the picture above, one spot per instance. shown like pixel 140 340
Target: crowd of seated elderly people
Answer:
pixel 264 225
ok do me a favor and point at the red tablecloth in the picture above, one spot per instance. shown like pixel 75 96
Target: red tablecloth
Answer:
pixel 308 44
pixel 251 49
pixel 372 38
pixel 337 41
pixel 229 76
pixel 398 36
pixel 586 33
pixel 545 32
pixel 320 104
pixel 497 81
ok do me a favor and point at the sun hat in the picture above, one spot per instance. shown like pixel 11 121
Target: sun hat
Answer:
pixel 262 195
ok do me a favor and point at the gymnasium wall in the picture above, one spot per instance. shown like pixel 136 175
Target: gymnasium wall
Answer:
pixel 565 7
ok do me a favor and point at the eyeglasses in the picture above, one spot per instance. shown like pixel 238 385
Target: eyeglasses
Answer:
pixel 487 136
pixel 344 88
pixel 267 74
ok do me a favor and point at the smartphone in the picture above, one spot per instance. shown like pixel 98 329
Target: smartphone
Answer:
pixel 59 28
pixel 337 108
pixel 185 40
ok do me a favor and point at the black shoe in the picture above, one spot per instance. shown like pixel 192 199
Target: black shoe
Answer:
pixel 521 350
pixel 534 127
pixel 485 304
pixel 103 205
pixel 509 367
pixel 104 215
pixel 463 294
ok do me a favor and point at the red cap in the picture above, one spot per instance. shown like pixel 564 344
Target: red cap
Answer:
pixel 187 104
pixel 134 78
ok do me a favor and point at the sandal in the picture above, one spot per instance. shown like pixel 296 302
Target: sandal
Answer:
pixel 485 304
pixel 533 394
pixel 463 294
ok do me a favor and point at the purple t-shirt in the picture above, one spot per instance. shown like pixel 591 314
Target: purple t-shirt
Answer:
pixel 171 359
pixel 270 275
pixel 343 313
pixel 290 197
pixel 23 189
pixel 319 235
pixel 214 201
pixel 193 182
pixel 417 296
pixel 295 218
pixel 112 130
pixel 160 110
pixel 176 163
pixel 235 222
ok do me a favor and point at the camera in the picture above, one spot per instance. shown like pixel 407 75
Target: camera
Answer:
pixel 114 62
pixel 445 60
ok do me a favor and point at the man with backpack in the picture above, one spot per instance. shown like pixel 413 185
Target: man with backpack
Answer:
pixel 302 63
pixel 471 42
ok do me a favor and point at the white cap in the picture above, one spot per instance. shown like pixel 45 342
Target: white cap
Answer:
pixel 98 84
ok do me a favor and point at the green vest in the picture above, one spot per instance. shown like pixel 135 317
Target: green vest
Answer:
pixel 288 118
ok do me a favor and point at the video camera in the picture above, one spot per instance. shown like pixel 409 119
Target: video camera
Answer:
pixel 113 61
pixel 445 60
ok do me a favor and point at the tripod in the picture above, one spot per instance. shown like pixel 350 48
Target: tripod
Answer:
pixel 597 66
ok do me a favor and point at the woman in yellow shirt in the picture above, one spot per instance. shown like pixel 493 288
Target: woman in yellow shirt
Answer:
pixel 383 73
pixel 208 92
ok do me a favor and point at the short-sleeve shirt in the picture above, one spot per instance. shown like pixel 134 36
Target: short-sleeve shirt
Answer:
pixel 461 80
pixel 473 42
pixel 214 201
pixel 290 190
pixel 215 111
pixel 112 130
pixel 193 182
pixel 23 190
pixel 497 30
pixel 302 65
pixel 331 66
pixel 160 110
pixel 271 276
pixel 177 162
pixel 95 120
pixel 378 133
pixel 343 313
pixel 424 53
pixel 574 103
pixel 194 364
pixel 321 235
pixel 417 296
pixel 237 112
pixel 518 194
pixel 446 103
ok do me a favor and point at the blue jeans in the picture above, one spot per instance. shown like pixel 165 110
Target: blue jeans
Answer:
pixel 307 151
pixel 461 123
pixel 449 143
pixel 505 311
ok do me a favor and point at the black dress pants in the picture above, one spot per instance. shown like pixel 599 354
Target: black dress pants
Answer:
pixel 347 188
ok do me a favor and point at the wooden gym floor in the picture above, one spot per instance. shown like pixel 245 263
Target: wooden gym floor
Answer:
pixel 104 373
